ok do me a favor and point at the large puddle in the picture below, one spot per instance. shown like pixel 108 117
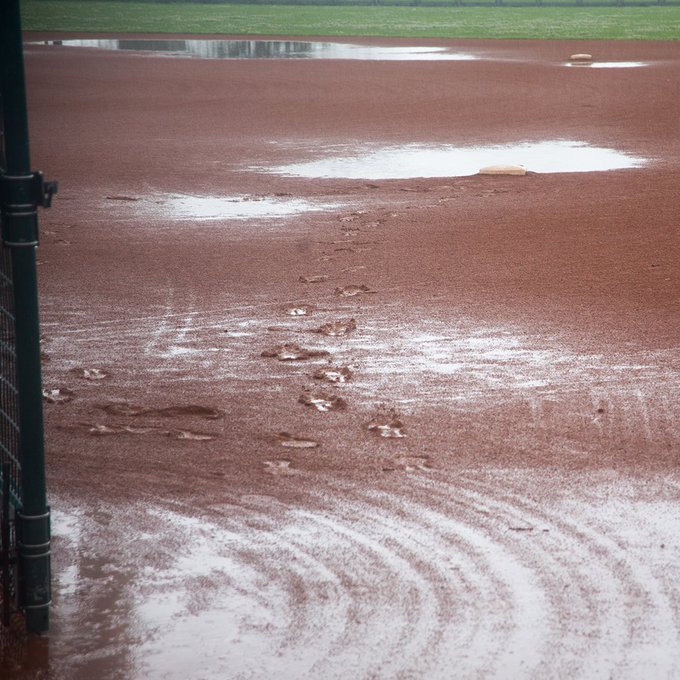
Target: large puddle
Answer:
pixel 422 160
pixel 270 49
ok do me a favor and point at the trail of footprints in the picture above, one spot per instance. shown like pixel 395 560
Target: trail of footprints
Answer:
pixel 321 395
pixel 386 422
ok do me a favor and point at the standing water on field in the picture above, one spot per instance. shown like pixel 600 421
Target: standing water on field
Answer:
pixel 270 49
pixel 424 160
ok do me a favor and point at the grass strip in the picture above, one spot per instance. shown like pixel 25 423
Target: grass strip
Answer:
pixel 583 23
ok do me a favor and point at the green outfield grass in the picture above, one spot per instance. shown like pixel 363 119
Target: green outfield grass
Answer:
pixel 607 23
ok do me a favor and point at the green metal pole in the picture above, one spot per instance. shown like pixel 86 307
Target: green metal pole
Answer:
pixel 21 191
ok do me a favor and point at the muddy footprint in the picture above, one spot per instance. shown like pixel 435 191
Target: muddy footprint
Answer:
pixel 189 435
pixel 90 373
pixel 323 402
pixel 336 329
pixel 58 395
pixel 194 410
pixel 100 430
pixel 351 291
pixel 291 351
pixel 302 310
pixel 279 468
pixel 292 441
pixel 103 430
pixel 388 424
pixel 334 375
pixel 410 464
pixel 313 279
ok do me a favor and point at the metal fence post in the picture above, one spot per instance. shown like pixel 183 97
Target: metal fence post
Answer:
pixel 21 192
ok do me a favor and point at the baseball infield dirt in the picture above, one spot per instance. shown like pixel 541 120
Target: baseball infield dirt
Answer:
pixel 363 425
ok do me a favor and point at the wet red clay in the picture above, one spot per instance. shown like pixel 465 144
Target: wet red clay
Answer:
pixel 429 432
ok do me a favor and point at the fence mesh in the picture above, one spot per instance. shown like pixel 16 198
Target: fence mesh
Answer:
pixel 9 407
pixel 12 628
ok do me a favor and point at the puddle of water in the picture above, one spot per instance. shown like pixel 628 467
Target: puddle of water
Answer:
pixel 270 49
pixel 421 160
pixel 185 207
pixel 608 64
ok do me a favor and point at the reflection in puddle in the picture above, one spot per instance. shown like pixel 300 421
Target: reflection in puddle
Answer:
pixel 270 49
pixel 184 207
pixel 421 160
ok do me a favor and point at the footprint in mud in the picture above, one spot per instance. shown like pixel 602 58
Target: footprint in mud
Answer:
pixel 291 351
pixel 351 291
pixel 103 430
pixel 323 402
pixel 302 310
pixel 58 395
pixel 313 279
pixel 348 232
pixel 279 329
pixel 188 435
pixel 387 424
pixel 292 441
pixel 334 375
pixel 124 409
pixel 90 373
pixel 279 467
pixel 336 329
pixel 410 464
pixel 351 218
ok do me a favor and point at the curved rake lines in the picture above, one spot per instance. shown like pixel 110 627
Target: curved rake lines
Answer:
pixel 407 601
pixel 428 579
pixel 614 616
pixel 395 615
pixel 491 619
pixel 616 585
pixel 510 613
pixel 352 599
pixel 561 571
pixel 272 590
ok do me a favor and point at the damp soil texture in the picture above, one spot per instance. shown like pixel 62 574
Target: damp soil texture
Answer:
pixel 359 426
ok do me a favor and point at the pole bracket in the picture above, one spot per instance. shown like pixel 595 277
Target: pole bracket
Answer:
pixel 20 197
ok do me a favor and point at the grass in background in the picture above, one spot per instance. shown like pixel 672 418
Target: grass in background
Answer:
pixel 606 23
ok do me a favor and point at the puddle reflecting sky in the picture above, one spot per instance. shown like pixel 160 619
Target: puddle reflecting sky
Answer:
pixel 182 206
pixel 420 160
pixel 271 49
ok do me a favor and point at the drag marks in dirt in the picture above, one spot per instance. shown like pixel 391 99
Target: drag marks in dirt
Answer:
pixel 130 411
pixel 119 410
pixel 497 573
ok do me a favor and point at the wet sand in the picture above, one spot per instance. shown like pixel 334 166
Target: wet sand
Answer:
pixel 421 428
